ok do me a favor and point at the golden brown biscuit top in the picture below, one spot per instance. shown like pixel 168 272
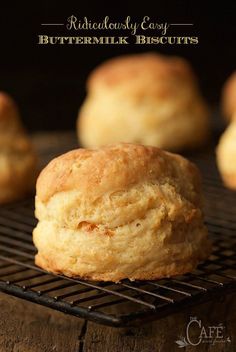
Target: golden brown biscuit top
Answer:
pixel 229 96
pixel 95 172
pixel 230 83
pixel 148 66
pixel 12 134
pixel 8 109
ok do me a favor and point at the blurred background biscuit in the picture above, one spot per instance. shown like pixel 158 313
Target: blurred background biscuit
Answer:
pixel 228 100
pixel 226 155
pixel 149 99
pixel 17 157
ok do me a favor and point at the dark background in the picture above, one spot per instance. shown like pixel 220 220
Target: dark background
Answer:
pixel 48 82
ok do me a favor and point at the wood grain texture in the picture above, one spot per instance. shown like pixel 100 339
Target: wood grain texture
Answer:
pixel 27 327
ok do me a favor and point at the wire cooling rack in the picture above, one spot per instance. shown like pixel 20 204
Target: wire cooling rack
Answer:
pixel 127 303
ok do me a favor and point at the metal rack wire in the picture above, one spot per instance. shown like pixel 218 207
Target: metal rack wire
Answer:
pixel 127 303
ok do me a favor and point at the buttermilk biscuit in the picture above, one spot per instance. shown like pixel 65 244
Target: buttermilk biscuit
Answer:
pixel 228 104
pixel 226 155
pixel 149 99
pixel 122 211
pixel 17 158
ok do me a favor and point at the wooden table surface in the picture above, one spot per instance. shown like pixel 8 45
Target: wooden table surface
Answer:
pixel 27 327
